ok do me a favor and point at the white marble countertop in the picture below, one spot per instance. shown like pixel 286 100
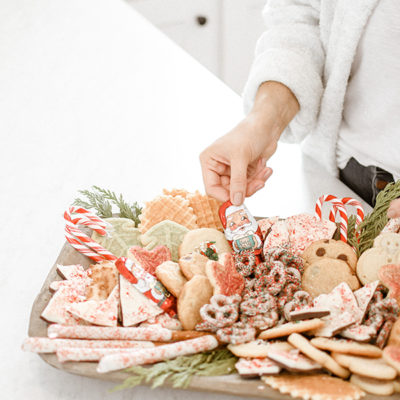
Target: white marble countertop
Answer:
pixel 92 94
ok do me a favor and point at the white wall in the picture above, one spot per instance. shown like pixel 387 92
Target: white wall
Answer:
pixel 220 34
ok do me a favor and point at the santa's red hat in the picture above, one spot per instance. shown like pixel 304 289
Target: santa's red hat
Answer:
pixel 222 212
pixel 227 209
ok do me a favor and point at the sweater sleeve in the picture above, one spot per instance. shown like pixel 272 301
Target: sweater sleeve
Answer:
pixel 290 51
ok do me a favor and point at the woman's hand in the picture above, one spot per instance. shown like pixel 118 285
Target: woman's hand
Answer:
pixel 394 209
pixel 234 166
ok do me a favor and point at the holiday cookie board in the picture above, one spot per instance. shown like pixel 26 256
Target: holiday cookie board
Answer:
pixel 226 384
pixel 265 326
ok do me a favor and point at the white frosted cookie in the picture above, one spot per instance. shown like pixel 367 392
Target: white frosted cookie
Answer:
pixel 256 367
pixel 292 360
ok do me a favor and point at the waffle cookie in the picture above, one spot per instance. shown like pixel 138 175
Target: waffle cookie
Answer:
pixel 176 209
pixel 313 387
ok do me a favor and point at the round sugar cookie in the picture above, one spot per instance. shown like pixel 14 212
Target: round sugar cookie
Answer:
pixel 347 346
pixel 330 248
pixel 193 264
pixel 324 275
pixel 258 348
pixel 194 295
pixel 373 386
pixel 195 239
pixel 317 355
pixel 371 261
pixel 375 368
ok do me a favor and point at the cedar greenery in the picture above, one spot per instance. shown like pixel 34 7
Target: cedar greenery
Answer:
pixel 181 370
pixel 102 201
pixel 351 234
pixel 374 222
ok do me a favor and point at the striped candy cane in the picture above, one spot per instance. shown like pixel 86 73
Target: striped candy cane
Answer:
pixel 337 208
pixel 80 241
pixel 86 218
pixel 355 203
pixel 359 208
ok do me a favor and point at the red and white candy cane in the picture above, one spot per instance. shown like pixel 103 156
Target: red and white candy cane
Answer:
pixel 359 208
pixel 87 218
pixel 80 241
pixel 355 203
pixel 337 207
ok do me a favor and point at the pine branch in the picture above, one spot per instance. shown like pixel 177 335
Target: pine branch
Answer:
pixel 374 222
pixel 181 370
pixel 101 200
pixel 126 210
pixel 95 201
pixel 352 239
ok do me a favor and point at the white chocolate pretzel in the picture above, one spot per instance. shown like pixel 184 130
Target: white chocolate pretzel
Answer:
pixel 160 353
pixel 46 345
pixel 113 333
pixel 94 354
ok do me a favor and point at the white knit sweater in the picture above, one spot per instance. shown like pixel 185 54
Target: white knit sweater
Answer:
pixel 309 45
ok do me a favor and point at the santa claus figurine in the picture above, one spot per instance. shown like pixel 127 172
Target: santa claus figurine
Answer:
pixel 241 229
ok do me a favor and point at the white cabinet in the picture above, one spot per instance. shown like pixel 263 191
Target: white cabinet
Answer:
pixel 220 34
pixel 193 24
pixel 242 26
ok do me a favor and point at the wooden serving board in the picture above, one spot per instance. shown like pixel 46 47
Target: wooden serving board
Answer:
pixel 228 384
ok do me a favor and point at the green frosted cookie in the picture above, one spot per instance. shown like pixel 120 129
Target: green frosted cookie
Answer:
pixel 122 236
pixel 166 233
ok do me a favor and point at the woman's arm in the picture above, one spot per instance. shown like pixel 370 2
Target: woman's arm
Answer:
pixel 285 82
pixel 290 51
pixel 234 165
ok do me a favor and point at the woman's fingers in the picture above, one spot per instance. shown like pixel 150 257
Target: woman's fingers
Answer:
pixel 394 209
pixel 258 182
pixel 212 171
pixel 232 175
pixel 239 165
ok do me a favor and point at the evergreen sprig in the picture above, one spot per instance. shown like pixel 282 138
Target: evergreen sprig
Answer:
pixel 352 239
pixel 374 222
pixel 102 201
pixel 181 370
